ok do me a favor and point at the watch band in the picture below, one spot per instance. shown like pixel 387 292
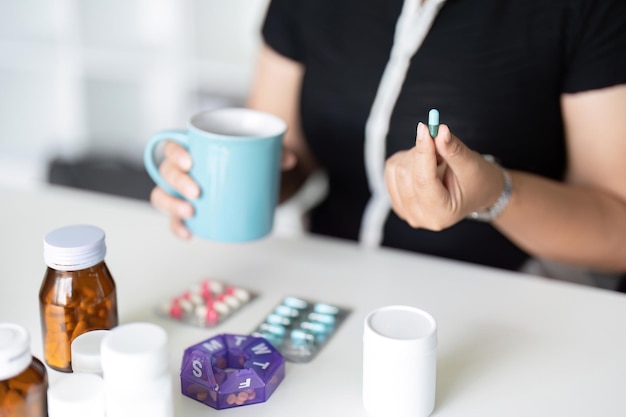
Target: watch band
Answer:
pixel 494 211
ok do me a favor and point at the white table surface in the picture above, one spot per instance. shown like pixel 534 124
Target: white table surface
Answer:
pixel 509 344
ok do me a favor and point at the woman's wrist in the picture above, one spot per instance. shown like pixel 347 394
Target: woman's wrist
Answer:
pixel 492 212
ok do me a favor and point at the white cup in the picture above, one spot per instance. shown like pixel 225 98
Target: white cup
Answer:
pixel 399 362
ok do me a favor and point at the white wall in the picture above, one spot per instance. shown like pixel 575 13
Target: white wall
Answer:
pixel 103 75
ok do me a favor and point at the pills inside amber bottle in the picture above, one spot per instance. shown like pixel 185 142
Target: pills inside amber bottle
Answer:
pixel 23 378
pixel 78 292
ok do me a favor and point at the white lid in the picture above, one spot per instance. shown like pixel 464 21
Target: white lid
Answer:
pixel 86 352
pixel 134 352
pixel 399 325
pixel 15 354
pixel 76 395
pixel 73 248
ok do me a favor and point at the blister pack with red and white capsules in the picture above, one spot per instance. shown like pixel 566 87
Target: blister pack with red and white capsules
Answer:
pixel 206 304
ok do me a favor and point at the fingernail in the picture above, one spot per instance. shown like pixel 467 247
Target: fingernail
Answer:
pixel 420 131
pixel 192 192
pixel 185 162
pixel 185 210
pixel 183 233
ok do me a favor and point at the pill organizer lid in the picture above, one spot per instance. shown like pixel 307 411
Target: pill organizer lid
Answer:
pixel 74 247
pixel 15 354
pixel 76 395
pixel 134 352
pixel 86 351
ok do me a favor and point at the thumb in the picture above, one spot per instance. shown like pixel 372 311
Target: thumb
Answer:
pixel 288 160
pixel 451 149
pixel 425 156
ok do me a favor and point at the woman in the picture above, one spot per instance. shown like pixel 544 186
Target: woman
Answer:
pixel 540 86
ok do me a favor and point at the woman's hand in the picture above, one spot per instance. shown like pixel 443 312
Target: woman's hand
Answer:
pixel 435 196
pixel 175 170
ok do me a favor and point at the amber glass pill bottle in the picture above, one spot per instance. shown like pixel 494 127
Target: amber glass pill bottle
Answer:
pixel 23 378
pixel 78 292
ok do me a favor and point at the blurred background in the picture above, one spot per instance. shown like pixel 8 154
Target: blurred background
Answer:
pixel 85 83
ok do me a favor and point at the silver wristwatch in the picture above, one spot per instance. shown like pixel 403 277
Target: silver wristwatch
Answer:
pixel 494 211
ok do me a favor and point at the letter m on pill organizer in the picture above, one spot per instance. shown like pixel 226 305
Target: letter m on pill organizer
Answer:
pixel 213 345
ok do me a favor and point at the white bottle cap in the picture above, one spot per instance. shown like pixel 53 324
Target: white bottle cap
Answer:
pixel 15 354
pixel 86 352
pixel 72 248
pixel 76 395
pixel 133 353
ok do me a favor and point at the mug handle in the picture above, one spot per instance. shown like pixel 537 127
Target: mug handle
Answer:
pixel 178 136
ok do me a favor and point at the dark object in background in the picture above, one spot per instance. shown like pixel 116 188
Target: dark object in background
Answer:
pixel 107 174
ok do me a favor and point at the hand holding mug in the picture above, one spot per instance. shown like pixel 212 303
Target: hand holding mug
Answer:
pixel 174 169
pixel 221 175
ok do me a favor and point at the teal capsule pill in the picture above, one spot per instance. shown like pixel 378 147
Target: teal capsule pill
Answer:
pixel 274 329
pixel 294 302
pixel 301 336
pixel 325 309
pixel 433 122
pixel 286 311
pixel 326 319
pixel 278 320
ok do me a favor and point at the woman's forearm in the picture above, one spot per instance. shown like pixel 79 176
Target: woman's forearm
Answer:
pixel 566 223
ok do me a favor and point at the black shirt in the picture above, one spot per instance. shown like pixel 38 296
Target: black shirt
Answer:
pixel 495 69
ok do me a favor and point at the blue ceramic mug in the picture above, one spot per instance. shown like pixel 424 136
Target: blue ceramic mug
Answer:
pixel 236 156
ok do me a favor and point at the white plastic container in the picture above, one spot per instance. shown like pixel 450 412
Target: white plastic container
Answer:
pixel 136 373
pixel 86 352
pixel 77 395
pixel 399 362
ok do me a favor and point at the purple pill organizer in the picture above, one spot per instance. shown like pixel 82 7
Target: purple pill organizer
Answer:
pixel 231 370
